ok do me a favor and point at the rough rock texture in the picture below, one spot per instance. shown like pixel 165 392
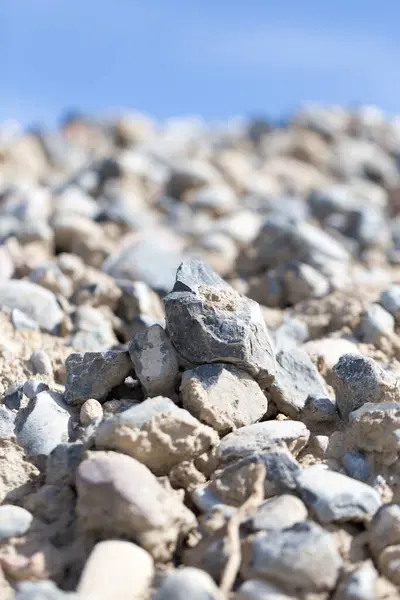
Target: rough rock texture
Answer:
pixel 94 374
pixel 118 496
pixel 223 396
pixel 209 322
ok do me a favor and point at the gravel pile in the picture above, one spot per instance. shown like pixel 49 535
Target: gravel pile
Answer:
pixel 200 359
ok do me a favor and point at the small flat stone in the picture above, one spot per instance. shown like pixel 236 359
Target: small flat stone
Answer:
pixel 302 559
pixel 260 436
pixel 278 512
pixel 223 396
pixel 14 521
pixel 357 380
pixel 118 496
pixel 155 361
pixel 94 374
pixel 335 497
pixel 296 378
pixel 116 570
pixel 186 583
pixel 43 424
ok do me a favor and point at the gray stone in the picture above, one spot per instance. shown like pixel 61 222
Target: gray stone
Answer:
pixel 296 378
pixel 94 374
pixel 301 282
pixel 14 521
pixel 375 428
pixel 36 302
pixel 360 584
pixel 33 387
pixel 148 261
pixel 120 497
pixel 384 529
pixel 260 436
pixel 375 322
pixel 357 380
pixel 302 558
pixel 41 363
pixel 62 463
pixel 155 361
pixel 390 300
pixel 13 396
pixel 319 410
pixel 188 582
pixel 7 422
pixel 43 590
pixel 210 322
pixel 278 512
pixel 356 465
pixel 21 321
pixel 291 333
pixel 335 497
pixel 43 424
pixel 223 396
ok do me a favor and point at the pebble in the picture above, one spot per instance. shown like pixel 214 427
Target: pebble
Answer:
pixel 223 396
pixel 155 361
pixel 296 378
pixel 360 584
pixel 119 496
pixel 33 387
pixel 302 558
pixel 43 424
pixel 14 521
pixel 390 300
pixel 278 512
pixel 359 379
pixel 37 303
pixel 94 374
pixel 335 497
pixel 375 322
pixel 91 409
pixel 260 436
pixel 41 363
pixel 188 582
pixel 116 570
pixel 13 397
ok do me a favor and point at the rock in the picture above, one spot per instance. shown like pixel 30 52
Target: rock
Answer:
pixel 296 378
pixel 148 261
pixel 93 331
pixel 222 396
pixel 375 322
pixel 278 512
pixel 360 584
pixel 188 582
pixel 18 476
pixel 118 496
pixel 209 322
pixel 374 428
pixel 260 436
pixel 94 374
pixel 14 521
pixel 257 589
pixel 21 321
pixel 357 380
pixel 301 282
pixel 36 302
pixel 62 463
pixel 91 409
pixel 160 439
pixel 155 362
pixel 43 424
pixel 116 570
pixel 33 387
pixel 384 529
pixel 302 558
pixel 356 465
pixel 50 276
pixel 41 363
pixel 7 422
pixel 335 497
pixel 390 300
pixel 291 332
pixel 319 410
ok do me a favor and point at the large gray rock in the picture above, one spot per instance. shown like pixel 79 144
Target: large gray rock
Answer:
pixel 94 374
pixel 210 322
pixel 148 261
pixel 302 558
pixel 223 396
pixel 120 497
pixel 188 582
pixel 357 380
pixel 335 497
pixel 155 361
pixel 34 301
pixel 296 378
pixel 14 521
pixel 43 424
pixel 260 436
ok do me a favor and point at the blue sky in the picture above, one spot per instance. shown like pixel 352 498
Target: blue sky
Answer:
pixel 215 58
